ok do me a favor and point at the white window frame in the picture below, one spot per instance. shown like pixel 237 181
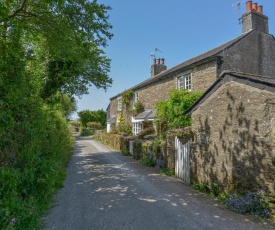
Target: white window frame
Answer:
pixel 185 81
pixel 137 127
pixel 119 104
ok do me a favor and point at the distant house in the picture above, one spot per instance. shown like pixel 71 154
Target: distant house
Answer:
pixel 253 52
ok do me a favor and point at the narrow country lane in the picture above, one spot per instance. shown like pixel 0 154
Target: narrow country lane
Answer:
pixel 105 190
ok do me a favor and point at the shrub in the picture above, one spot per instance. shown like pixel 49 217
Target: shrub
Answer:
pixel 200 187
pixel 160 165
pixel 138 108
pixel 86 132
pixel 170 112
pixel 94 125
pixel 251 203
pixel 125 152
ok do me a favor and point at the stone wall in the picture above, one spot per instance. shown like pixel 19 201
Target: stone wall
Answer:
pixel 204 76
pixel 254 54
pixel 113 107
pixel 158 91
pixel 234 139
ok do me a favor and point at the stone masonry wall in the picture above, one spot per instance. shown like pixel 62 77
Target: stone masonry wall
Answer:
pixel 254 54
pixel 113 107
pixel 159 91
pixel 204 76
pixel 234 139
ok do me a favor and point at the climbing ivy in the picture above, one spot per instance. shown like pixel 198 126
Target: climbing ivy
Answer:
pixel 138 108
pixel 126 97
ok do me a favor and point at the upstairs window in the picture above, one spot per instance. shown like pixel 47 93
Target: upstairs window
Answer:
pixel 119 104
pixel 185 82
pixel 135 97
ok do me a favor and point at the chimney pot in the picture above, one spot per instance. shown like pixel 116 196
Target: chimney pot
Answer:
pixel 255 7
pixel 158 60
pixel 155 61
pixel 260 9
pixel 248 6
pixel 162 61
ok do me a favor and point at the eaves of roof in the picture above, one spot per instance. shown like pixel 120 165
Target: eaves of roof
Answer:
pixel 200 59
pixel 257 81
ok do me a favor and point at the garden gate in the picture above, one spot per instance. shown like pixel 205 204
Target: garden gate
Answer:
pixel 182 160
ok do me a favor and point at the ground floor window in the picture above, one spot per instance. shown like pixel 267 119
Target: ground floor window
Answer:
pixel 137 127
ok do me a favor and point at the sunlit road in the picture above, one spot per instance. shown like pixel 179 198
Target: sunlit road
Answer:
pixel 105 190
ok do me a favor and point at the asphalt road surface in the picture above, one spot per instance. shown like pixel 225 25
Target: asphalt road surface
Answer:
pixel 105 190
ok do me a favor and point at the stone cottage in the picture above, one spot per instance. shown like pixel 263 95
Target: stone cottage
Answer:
pixel 234 133
pixel 253 52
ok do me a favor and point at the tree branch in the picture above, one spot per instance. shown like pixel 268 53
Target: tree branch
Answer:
pixel 19 10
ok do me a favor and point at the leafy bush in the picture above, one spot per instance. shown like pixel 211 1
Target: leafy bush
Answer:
pixel 146 131
pixel 251 203
pixel 171 111
pixel 125 152
pixel 148 159
pixel 122 128
pixel 98 116
pixel 94 125
pixel 86 132
pixel 160 164
pixel 200 187
pixel 138 108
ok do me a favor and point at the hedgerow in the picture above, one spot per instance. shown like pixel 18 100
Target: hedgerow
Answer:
pixel 35 145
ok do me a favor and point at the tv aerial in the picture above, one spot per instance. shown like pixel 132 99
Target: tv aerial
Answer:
pixel 153 54
pixel 238 6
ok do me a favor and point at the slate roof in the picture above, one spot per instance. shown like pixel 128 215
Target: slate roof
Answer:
pixel 213 53
pixel 257 81
pixel 147 114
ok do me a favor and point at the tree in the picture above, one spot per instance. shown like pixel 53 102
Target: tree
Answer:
pixel 86 116
pixel 67 37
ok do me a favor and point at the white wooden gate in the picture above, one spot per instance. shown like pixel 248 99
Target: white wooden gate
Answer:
pixel 182 160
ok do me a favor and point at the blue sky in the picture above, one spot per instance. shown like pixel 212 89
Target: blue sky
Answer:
pixel 181 29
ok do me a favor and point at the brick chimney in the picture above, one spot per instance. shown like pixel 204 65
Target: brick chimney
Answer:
pixel 253 18
pixel 158 66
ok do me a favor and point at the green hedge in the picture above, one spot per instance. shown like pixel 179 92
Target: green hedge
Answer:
pixel 34 155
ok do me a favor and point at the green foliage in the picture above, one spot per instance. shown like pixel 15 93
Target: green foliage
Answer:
pixel 125 152
pixel 64 103
pixel 50 50
pixel 86 132
pixel 167 172
pixel 200 187
pixel 215 189
pixel 126 97
pixel 251 203
pixel 63 39
pixel 122 127
pixel 75 123
pixel 138 108
pixel 137 147
pixel 94 125
pixel 98 116
pixel 171 111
